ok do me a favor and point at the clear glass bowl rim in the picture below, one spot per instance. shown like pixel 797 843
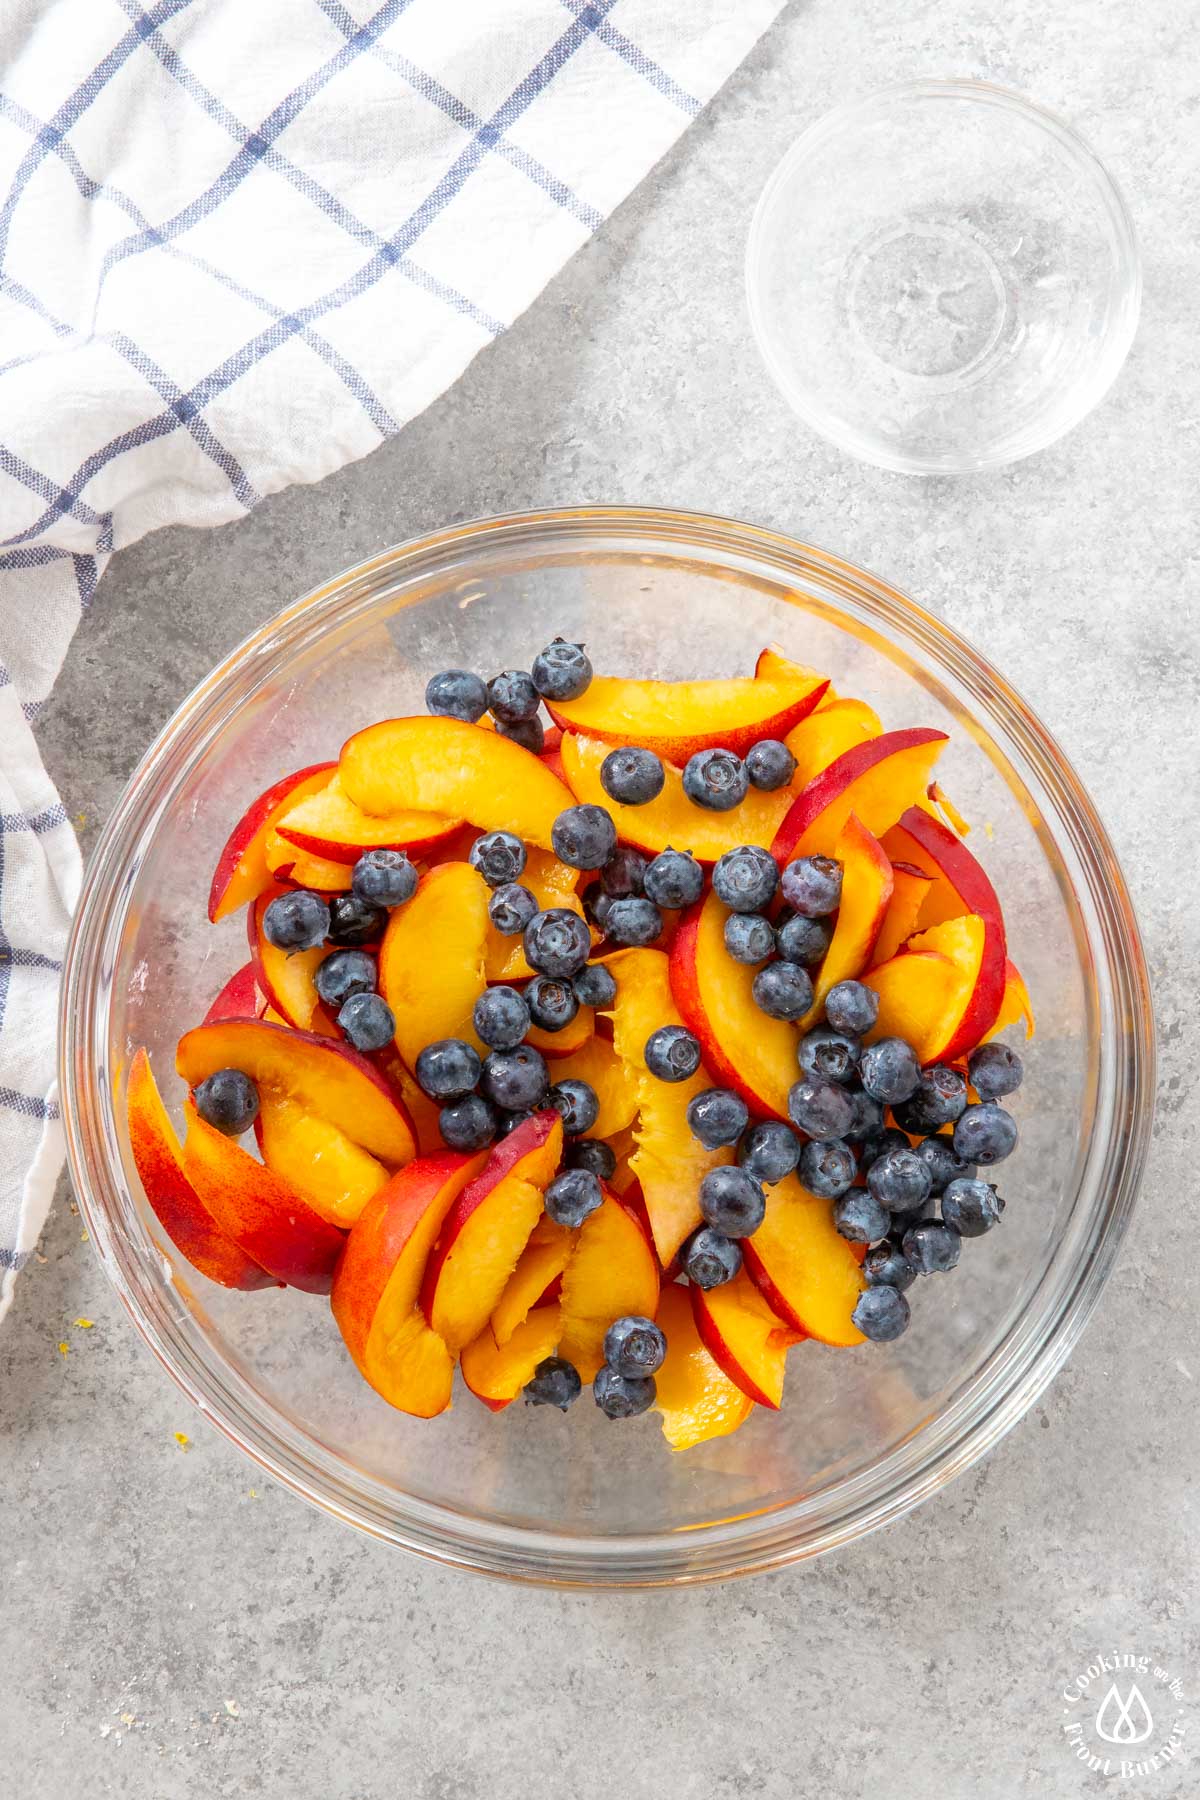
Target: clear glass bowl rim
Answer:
pixel 1001 1392
pixel 1117 340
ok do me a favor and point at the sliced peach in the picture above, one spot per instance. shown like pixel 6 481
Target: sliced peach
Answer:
pixel 598 1064
pixel 941 1018
pixel 805 1270
pixel 447 767
pixel 541 1263
pixel 938 797
pixel 613 1271
pixel 744 1337
pixel 771 664
pixel 328 825
pixel 552 883
pixel 431 962
pixel 668 1162
pixel 745 1050
pixel 297 869
pixel 176 1205
pixel 263 1214
pixel 496 1373
pixel 877 779
pixel 866 891
pixel 328 1079
pixel 422 1111
pixel 240 998
pixel 487 1228
pixel 335 1175
pixel 242 872
pixel 827 734
pixel 287 977
pixel 672 819
pixel 378 1279
pixel 959 883
pixel 1016 1004
pixel 696 1399
pixel 675 719
pixel 910 887
pixel 562 1046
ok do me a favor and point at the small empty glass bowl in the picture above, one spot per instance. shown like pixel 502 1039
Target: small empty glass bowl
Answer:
pixel 942 278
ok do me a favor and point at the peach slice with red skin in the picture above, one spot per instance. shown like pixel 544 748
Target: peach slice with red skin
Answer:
pixel 379 1276
pixel 264 1215
pixel 1016 1004
pixel 866 891
pixel 539 1267
pixel 331 1080
pixel 910 889
pixel 335 1175
pixel 242 871
pixel 457 770
pixel 745 1050
pixel 431 969
pixel 423 1112
pixel 173 1198
pixel 287 978
pixel 328 825
pixel 828 733
pixel 695 1398
pixel 240 998
pixel 675 719
pixel 613 1271
pixel 944 1009
pixel 877 779
pixel 772 664
pixel 805 1270
pixel 744 1337
pixel 487 1228
pixel 496 1373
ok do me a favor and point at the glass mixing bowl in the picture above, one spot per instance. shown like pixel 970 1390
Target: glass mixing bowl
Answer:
pixel 942 277
pixel 862 1435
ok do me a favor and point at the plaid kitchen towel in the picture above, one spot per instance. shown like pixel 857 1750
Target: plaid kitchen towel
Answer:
pixel 241 243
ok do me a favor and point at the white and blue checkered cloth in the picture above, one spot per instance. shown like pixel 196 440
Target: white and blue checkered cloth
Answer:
pixel 241 243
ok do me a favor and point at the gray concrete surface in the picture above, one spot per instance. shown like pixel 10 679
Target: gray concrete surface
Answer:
pixel 174 1626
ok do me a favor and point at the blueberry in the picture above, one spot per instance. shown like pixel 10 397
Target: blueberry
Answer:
pixel 820 1109
pixel 881 1314
pixel 782 990
pixel 624 873
pixel 384 878
pixel 515 1080
pixel 512 696
pixel 584 837
pixel 939 1098
pixel 448 1068
pixel 576 1102
pixel 367 1021
pixel 715 779
pixel 878 1144
pixel 592 1154
pixel 803 941
pixel 995 1070
pixel 885 1265
pixel 573 1197
pixel 557 942
pixel 501 1019
pixel 228 1101
pixel 937 1153
pixel 552 1002
pixel 597 905
pixel 296 921
pixel 499 856
pixel 732 1202
pixel 860 1217
pixel 931 1247
pixel 632 777
pixel 633 922
pixel 672 1053
pixel 467 1124
pixel 595 985
pixel 769 1151
pixel 555 1382
pixel 717 1116
pixel 342 973
pixel 971 1207
pixel 561 671
pixel 511 907
pixel 769 764
pixel 812 886
pixel 900 1179
pixel 868 1117
pixel 827 1169
pixel 508 1121
pixel 619 1398
pixel 829 1055
pixel 634 1346
pixel 352 921
pixel 456 694
pixel 749 938
pixel 674 879
pixel 851 1007
pixel 529 733
pixel 710 1259
pixel 889 1071
pixel 745 879
pixel 985 1134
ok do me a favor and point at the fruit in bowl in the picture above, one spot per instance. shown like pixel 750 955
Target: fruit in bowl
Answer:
pixel 637 1052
